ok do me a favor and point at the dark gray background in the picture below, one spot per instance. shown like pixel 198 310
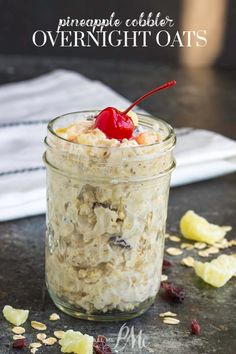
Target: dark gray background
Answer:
pixel 19 19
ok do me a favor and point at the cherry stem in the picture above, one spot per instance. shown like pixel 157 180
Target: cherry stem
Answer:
pixel 162 87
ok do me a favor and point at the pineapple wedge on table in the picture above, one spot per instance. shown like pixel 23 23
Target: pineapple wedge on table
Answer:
pixel 195 227
pixel 218 271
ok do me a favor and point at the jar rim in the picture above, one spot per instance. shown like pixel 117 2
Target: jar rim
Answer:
pixel 170 136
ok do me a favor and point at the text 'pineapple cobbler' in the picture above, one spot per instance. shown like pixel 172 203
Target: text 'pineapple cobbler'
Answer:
pixel 108 181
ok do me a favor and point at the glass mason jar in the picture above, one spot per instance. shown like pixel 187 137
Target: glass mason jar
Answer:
pixel 106 217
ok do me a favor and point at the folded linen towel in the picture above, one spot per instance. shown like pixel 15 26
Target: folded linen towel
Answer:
pixel 27 106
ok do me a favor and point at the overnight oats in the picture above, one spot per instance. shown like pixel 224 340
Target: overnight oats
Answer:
pixel 107 194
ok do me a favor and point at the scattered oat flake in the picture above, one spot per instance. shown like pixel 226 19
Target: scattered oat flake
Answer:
pixel 54 317
pixel 164 277
pixel 35 345
pixel 232 243
pixel 224 241
pixel 167 236
pixel 204 253
pixel 219 245
pixel 33 350
pixel 213 250
pixel 49 341
pixel 18 336
pixel 171 320
pixel 200 245
pixel 168 314
pixel 18 330
pixel 41 336
pixel 188 261
pixel 59 334
pixel 187 246
pixel 38 325
pixel 226 228
pixel 172 251
pixel 174 238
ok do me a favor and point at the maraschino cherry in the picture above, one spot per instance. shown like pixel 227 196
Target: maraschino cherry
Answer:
pixel 118 125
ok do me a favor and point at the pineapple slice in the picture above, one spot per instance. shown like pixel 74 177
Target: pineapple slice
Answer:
pixel 60 131
pixel 15 316
pixel 218 271
pixel 76 342
pixel 132 115
pixel 194 227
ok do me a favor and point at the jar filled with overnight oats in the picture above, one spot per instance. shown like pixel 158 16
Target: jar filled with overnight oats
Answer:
pixel 106 215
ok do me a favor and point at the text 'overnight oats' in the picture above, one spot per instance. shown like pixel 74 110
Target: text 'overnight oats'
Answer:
pixel 107 205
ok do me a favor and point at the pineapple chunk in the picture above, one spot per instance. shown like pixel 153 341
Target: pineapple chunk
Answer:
pixel 218 271
pixel 15 316
pixel 195 227
pixel 76 342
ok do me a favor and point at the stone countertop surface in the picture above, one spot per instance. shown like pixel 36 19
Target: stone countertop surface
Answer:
pixel 202 99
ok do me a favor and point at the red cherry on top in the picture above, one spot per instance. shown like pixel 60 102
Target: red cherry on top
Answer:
pixel 118 125
pixel 114 124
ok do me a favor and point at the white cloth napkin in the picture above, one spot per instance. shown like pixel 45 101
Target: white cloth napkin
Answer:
pixel 27 106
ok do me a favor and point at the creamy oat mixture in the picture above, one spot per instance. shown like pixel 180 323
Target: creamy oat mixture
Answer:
pixel 107 203
pixel 83 132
